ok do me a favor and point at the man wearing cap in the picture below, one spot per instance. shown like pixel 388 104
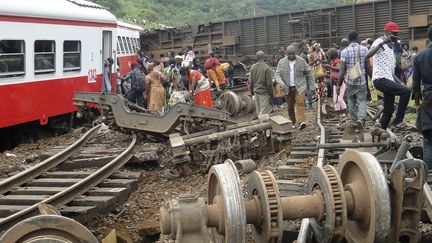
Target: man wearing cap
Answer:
pixel 261 77
pixel 293 73
pixel 423 75
pixel 384 78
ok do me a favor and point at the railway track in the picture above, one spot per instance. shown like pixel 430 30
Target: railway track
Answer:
pixel 351 199
pixel 325 153
pixel 292 177
pixel 372 193
pixel 362 197
pixel 80 193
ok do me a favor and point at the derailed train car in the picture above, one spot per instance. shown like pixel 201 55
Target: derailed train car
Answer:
pixel 50 49
pixel 241 38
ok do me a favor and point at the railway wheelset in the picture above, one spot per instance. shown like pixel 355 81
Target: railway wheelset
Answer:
pixel 356 202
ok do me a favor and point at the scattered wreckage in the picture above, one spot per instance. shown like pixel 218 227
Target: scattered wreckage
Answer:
pixel 216 140
pixel 354 202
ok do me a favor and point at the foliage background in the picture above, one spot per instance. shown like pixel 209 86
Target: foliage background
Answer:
pixel 160 13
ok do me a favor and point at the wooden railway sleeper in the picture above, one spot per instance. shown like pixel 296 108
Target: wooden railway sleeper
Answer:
pixel 78 188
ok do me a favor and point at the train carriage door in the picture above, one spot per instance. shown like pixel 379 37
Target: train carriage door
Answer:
pixel 106 53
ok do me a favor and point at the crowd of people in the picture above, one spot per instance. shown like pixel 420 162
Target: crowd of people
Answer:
pixel 156 85
pixel 351 73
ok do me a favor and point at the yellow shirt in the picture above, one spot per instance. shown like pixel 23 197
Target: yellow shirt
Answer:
pixel 225 65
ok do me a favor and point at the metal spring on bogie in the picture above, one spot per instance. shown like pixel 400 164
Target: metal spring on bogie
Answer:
pixel 245 166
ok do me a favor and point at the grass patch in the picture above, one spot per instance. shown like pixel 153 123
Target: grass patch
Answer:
pixel 411 118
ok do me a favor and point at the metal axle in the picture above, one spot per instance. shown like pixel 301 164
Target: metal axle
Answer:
pixel 352 145
pixel 353 199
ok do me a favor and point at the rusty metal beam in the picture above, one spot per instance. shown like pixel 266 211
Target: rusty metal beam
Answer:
pixel 352 145
pixel 148 122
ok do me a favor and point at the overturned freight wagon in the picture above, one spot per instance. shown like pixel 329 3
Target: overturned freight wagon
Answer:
pixel 239 39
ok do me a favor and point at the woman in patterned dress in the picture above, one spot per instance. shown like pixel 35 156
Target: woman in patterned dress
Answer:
pixel 316 58
pixel 155 91
pixel 199 87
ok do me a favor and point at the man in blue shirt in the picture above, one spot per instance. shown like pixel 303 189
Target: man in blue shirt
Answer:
pixel 423 76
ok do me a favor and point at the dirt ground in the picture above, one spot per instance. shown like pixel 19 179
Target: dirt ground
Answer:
pixel 142 209
pixel 133 220
pixel 141 212
pixel 27 154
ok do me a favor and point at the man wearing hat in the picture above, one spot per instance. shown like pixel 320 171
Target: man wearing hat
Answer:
pixel 384 78
pixel 261 81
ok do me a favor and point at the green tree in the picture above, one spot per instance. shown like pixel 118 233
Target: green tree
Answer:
pixel 149 15
pixel 193 12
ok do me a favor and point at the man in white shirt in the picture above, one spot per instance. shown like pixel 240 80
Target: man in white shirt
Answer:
pixel 188 57
pixel 292 73
pixel 384 79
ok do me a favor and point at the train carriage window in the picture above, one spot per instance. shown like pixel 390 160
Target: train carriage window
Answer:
pixel 134 40
pixel 125 45
pixel 71 56
pixel 138 44
pixel 129 45
pixel 12 57
pixel 133 45
pixel 120 43
pixel 44 56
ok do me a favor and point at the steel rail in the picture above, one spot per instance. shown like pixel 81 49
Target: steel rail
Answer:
pixel 305 229
pixel 320 160
pixel 67 195
pixel 353 145
pixel 51 162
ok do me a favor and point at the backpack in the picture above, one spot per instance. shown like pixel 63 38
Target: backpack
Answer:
pixel 137 79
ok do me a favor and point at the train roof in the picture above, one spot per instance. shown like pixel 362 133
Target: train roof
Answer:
pixel 129 26
pixel 76 10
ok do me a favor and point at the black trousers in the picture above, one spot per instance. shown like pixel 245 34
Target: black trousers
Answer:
pixel 137 98
pixel 390 89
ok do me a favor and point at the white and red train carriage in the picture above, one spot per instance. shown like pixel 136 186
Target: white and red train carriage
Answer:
pixel 128 45
pixel 51 48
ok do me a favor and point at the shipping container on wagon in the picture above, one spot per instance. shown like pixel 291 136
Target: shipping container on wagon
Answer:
pixel 237 39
